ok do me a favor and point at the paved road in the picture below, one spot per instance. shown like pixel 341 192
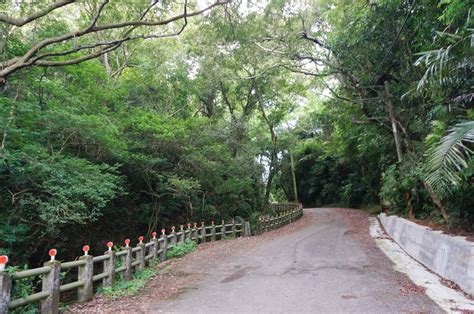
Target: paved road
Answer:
pixel 323 268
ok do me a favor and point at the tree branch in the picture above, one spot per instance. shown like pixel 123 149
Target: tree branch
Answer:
pixel 77 60
pixel 28 59
pixel 22 21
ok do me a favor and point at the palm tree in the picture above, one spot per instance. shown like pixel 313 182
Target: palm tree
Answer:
pixel 449 157
pixel 449 68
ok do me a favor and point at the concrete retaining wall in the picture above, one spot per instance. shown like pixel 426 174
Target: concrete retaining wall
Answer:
pixel 449 256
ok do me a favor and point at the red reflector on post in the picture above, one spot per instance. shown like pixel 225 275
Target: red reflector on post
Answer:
pixel 52 253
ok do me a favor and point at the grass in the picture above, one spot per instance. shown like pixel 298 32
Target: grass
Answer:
pixel 132 287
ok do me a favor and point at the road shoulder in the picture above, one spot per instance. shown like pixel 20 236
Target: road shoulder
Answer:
pixel 448 299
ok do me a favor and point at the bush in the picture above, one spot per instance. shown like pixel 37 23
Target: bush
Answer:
pixel 181 249
pixel 402 182
pixel 132 287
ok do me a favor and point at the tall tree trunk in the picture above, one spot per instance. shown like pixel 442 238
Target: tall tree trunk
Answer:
pixel 153 221
pixel 108 69
pixel 293 176
pixel 271 174
pixel 273 157
pixel 393 120
pixel 434 198
pixel 10 121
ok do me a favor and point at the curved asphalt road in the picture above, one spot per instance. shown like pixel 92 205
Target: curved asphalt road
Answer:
pixel 322 268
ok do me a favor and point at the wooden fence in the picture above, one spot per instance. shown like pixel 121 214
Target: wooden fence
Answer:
pixel 283 207
pixel 123 262
pixel 283 215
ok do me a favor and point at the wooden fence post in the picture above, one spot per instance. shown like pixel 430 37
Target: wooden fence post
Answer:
pixel 182 237
pixel 85 273
pixel 234 230
pixel 154 247
pixel 5 288
pixel 109 267
pixel 141 253
pixel 203 233
pixel 127 262
pixel 188 232
pixel 223 230
pixel 213 231
pixel 50 283
pixel 247 231
pixel 195 233
pixel 5 285
pixel 164 245
pixel 174 239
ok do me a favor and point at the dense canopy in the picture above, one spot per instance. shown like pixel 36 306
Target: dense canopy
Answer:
pixel 118 118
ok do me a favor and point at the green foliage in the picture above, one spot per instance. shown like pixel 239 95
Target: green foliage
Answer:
pixel 201 127
pixel 21 288
pixel 401 182
pixel 346 150
pixel 449 157
pixel 131 287
pixel 181 249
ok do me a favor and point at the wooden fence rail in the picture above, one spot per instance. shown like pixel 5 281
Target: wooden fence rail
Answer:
pixel 123 262
pixel 283 207
pixel 283 215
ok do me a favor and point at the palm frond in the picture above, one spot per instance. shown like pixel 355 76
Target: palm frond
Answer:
pixel 450 156
pixel 446 65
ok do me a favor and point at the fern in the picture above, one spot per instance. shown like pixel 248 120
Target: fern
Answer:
pixel 451 155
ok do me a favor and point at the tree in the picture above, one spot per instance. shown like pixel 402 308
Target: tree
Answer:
pixel 449 157
pixel 99 34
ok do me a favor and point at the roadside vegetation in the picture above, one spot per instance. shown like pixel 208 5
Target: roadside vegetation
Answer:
pixel 114 124
pixel 181 249
pixel 131 287
pixel 141 277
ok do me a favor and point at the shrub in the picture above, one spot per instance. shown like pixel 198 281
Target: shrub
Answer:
pixel 181 249
pixel 132 287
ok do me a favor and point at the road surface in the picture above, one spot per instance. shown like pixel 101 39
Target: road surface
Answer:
pixel 328 266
